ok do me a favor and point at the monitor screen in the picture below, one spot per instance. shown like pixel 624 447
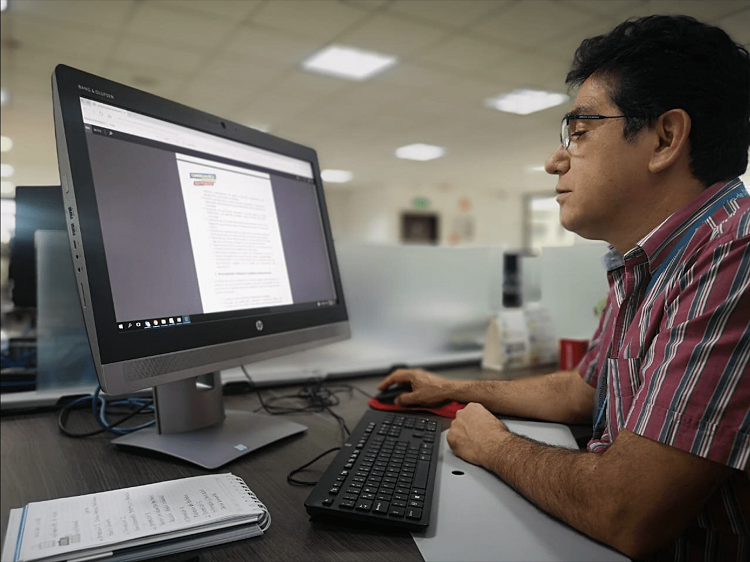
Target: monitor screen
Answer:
pixel 198 244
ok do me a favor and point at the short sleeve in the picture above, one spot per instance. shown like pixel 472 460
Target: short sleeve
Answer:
pixel 696 372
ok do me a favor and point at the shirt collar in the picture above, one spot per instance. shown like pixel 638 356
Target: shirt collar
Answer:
pixel 613 259
pixel 657 243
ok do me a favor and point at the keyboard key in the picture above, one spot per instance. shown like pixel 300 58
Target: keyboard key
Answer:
pixel 381 507
pixel 413 513
pixel 363 505
pixel 420 477
pixel 396 511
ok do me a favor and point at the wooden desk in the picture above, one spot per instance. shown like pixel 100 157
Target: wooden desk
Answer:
pixel 40 463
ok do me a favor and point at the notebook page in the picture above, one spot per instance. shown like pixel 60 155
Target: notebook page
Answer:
pixel 118 517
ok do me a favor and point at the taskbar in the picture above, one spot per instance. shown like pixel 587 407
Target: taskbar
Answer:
pixel 153 323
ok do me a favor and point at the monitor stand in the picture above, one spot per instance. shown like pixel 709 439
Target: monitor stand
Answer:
pixel 191 424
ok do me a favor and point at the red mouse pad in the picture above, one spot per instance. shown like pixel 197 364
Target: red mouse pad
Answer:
pixel 447 411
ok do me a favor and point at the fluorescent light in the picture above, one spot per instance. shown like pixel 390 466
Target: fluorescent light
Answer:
pixel 4 96
pixel 3 5
pixel 336 176
pixel 524 101
pixel 6 144
pixel 6 170
pixel 7 188
pixel 263 128
pixel 8 213
pixel 347 62
pixel 420 152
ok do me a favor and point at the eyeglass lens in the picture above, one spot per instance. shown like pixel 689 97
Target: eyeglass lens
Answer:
pixel 565 132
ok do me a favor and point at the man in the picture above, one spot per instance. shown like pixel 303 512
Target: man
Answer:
pixel 649 161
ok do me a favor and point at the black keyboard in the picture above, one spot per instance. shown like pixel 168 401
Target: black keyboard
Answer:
pixel 384 474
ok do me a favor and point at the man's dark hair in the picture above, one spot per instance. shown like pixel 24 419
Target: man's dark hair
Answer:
pixel 658 63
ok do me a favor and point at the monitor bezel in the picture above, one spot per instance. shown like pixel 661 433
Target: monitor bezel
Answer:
pixel 110 346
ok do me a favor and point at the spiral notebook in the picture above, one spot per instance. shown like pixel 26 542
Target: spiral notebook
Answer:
pixel 136 523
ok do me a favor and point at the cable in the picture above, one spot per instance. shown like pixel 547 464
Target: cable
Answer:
pixel 314 397
pixel 294 481
pixel 99 414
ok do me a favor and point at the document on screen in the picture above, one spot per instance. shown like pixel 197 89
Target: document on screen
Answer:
pixel 233 226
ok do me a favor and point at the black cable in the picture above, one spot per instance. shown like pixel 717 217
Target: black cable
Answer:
pixel 315 397
pixel 295 482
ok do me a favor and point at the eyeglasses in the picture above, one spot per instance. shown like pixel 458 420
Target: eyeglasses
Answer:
pixel 565 129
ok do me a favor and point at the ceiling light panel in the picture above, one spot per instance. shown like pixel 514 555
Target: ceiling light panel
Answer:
pixel 349 63
pixel 336 176
pixel 420 151
pixel 525 101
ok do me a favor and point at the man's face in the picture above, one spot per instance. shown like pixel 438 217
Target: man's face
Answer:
pixel 602 178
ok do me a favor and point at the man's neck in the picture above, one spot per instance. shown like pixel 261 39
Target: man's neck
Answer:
pixel 667 200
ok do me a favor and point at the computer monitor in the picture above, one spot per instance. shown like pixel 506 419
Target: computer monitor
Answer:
pixel 38 207
pixel 198 244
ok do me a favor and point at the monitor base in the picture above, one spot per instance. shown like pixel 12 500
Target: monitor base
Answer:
pixel 211 447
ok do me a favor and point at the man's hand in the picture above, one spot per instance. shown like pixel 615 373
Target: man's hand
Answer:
pixel 652 491
pixel 473 434
pixel 427 389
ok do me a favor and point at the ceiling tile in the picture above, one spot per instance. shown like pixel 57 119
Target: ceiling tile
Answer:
pixel 414 76
pixel 528 23
pixel 737 26
pixel 36 67
pixel 710 12
pixel 109 15
pixel 608 8
pixel 310 84
pixel 563 48
pixel 465 54
pixel 391 35
pixel 309 18
pixel 357 105
pixel 268 44
pixel 59 38
pixel 532 70
pixel 173 60
pixel 273 108
pixel 367 4
pixel 249 75
pixel 180 28
pixel 234 9
pixel 447 12
pixel 150 79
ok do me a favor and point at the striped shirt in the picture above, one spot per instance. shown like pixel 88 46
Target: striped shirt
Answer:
pixel 675 354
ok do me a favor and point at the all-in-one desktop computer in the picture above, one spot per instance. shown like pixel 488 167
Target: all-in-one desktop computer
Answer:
pixel 198 244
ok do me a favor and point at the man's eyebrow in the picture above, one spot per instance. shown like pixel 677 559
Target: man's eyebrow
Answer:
pixel 580 110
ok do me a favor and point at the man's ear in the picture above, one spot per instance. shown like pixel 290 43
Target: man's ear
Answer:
pixel 672 132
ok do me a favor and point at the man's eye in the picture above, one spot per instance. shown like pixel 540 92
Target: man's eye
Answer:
pixel 577 134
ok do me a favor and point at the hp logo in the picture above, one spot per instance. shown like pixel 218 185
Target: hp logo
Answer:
pixel 259 325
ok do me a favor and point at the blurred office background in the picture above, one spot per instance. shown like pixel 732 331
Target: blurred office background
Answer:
pixel 446 63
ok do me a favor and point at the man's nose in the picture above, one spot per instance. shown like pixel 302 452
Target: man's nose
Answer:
pixel 558 163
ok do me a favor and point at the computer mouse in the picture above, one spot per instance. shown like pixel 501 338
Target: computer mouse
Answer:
pixel 388 396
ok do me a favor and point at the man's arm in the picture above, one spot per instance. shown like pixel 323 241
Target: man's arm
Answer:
pixel 561 396
pixel 637 496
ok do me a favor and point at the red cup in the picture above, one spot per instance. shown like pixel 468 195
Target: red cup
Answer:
pixel 571 353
